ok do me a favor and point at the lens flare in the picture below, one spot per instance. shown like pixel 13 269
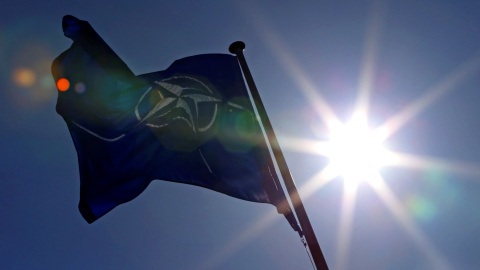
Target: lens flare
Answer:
pixel 24 77
pixel 46 82
pixel 422 208
pixel 63 84
pixel 80 88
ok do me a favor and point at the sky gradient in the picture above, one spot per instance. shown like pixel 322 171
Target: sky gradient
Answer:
pixel 414 64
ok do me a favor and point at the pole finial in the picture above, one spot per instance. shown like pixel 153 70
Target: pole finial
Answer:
pixel 236 47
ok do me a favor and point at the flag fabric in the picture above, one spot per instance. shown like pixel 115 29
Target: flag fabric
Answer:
pixel 192 123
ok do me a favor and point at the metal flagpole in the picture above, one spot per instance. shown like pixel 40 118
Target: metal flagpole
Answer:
pixel 320 263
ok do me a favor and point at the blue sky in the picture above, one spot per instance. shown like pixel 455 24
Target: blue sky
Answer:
pixel 425 65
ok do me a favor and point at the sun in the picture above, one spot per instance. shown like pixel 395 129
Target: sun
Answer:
pixel 356 152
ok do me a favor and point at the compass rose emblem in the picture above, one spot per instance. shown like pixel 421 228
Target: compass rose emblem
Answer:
pixel 179 99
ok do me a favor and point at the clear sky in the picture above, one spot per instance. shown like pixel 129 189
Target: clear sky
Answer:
pixel 416 65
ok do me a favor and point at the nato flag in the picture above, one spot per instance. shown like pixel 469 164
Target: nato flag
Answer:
pixel 191 123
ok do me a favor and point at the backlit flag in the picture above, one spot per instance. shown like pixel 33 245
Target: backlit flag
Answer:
pixel 191 123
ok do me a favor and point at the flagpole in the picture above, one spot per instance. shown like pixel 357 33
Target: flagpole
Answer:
pixel 318 258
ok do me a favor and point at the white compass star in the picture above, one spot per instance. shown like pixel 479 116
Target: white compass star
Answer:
pixel 178 96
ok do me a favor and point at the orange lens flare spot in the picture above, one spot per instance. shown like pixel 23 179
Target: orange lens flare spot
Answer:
pixel 63 84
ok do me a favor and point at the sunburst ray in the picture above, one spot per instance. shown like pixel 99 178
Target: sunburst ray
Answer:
pixel 402 217
pixel 425 162
pixel 369 58
pixel 346 222
pixel 241 240
pixel 446 85
pixel 305 146
pixel 293 68
pixel 257 228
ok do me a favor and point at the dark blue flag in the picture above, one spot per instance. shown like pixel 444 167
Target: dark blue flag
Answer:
pixel 191 123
